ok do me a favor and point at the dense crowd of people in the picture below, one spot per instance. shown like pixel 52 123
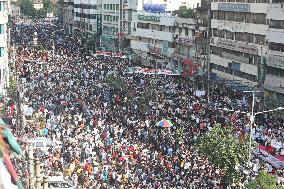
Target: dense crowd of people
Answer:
pixel 106 130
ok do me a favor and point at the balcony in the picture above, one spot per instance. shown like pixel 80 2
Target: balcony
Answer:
pixel 275 35
pixel 185 41
pixel 146 47
pixel 275 59
pixel 274 83
pixel 153 34
pixel 240 26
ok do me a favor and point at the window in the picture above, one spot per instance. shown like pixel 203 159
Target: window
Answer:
pixel 214 32
pixel 117 6
pixel 107 6
pixel 117 19
pixel 2 5
pixel 104 6
pixel 143 25
pixel 277 24
pixel 259 39
pixel 1 28
pixel 186 32
pixel 110 6
pixel 229 16
pixel 2 52
pixel 229 35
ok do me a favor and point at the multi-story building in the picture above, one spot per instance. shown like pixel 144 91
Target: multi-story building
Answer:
pixel 111 23
pixel 153 38
pixel 185 49
pixel 88 21
pixel 274 79
pixel 238 39
pixel 4 70
pixel 68 16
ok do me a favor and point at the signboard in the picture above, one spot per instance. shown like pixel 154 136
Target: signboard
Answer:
pixel 237 46
pixel 235 57
pixel 148 18
pixel 232 26
pixel 275 60
pixel 147 71
pixel 274 81
pixel 234 7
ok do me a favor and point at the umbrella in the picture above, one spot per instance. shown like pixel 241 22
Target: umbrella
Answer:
pixel 164 123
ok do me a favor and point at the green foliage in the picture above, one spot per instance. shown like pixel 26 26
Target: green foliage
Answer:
pixel 116 82
pixel 224 151
pixel 185 12
pixel 12 89
pixel 264 181
pixel 28 9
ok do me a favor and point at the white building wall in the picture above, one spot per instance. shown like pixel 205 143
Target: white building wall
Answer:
pixel 4 70
pixel 274 81
pixel 239 26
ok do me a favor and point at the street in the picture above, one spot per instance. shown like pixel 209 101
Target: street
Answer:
pixel 119 129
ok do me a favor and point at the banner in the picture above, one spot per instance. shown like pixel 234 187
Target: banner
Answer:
pixel 146 71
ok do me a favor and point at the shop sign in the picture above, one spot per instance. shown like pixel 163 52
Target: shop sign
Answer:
pixel 234 7
pixel 235 57
pixel 274 81
pixel 148 18
pixel 275 60
pixel 237 46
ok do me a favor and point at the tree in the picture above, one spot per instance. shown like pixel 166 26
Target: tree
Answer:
pixel 116 82
pixel 264 181
pixel 185 12
pixel 27 7
pixel 224 151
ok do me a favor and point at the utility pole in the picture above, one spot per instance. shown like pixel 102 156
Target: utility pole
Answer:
pixel 45 182
pixel 38 170
pixel 208 50
pixel 31 166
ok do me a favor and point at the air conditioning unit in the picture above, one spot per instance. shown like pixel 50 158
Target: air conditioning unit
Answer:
pixel 134 29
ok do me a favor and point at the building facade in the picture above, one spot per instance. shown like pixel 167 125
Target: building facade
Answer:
pixel 111 23
pixel 88 21
pixel 184 43
pixel 68 16
pixel 153 38
pixel 4 69
pixel 238 42
pixel 274 79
